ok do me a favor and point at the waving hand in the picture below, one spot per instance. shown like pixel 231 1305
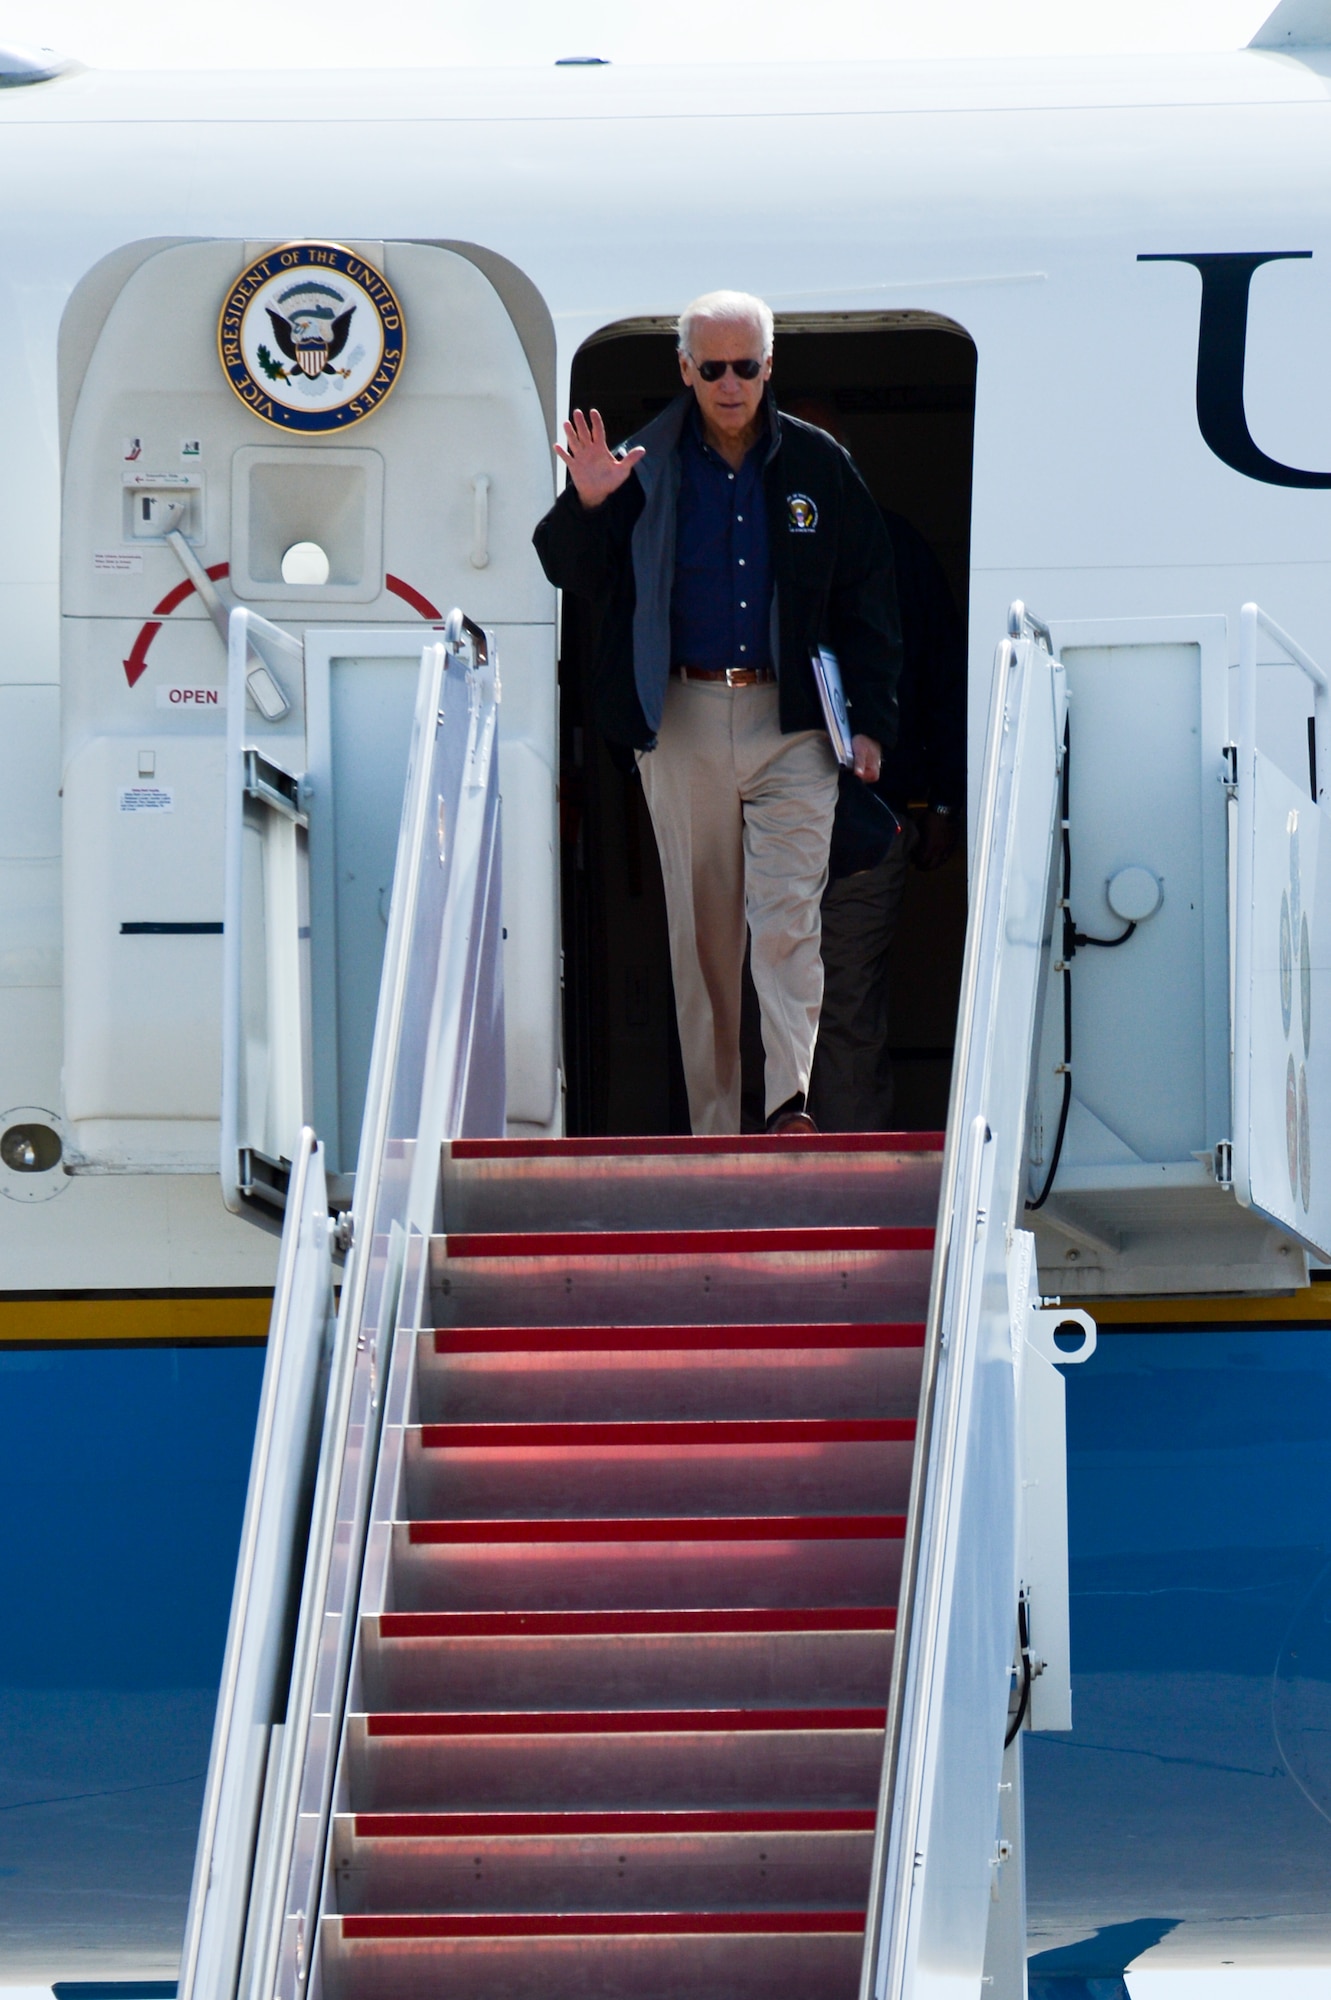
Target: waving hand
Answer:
pixel 592 466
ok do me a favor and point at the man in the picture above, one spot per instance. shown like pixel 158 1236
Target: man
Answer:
pixel 721 546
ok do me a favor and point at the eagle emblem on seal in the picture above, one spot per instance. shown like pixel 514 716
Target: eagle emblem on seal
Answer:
pixel 312 334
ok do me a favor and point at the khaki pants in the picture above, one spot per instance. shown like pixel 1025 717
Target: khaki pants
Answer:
pixel 743 818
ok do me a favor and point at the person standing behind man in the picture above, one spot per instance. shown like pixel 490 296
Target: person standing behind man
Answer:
pixel 852 1088
pixel 721 545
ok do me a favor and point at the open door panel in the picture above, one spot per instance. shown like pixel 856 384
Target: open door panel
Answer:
pixel 1281 964
pixel 1132 1118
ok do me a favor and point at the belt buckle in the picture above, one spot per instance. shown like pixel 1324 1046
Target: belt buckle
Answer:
pixel 732 676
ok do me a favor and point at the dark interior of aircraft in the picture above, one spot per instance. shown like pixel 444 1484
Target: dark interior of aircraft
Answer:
pixel 899 390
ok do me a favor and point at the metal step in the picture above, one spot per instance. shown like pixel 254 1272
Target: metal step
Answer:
pixel 613 1244
pixel 817 1465
pixel 627 1373
pixel 671 1564
pixel 681 1148
pixel 553 1862
pixel 610 1759
pixel 871 1179
pixel 655 1659
pixel 709 1275
pixel 793 1955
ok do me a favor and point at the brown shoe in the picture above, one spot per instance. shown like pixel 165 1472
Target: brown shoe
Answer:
pixel 791 1125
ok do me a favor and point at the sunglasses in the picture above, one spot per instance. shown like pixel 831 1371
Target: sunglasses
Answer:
pixel 711 371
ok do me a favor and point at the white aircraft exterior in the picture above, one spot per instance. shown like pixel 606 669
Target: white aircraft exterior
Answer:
pixel 1014 201
pixel 1138 255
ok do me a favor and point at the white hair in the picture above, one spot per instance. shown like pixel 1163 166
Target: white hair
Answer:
pixel 726 308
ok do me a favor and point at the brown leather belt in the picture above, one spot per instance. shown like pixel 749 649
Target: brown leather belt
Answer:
pixel 731 677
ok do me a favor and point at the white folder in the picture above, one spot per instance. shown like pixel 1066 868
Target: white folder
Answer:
pixel 827 673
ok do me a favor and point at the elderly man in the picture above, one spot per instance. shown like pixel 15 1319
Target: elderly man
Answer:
pixel 721 546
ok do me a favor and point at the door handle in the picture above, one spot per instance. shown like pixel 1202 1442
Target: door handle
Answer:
pixel 480 521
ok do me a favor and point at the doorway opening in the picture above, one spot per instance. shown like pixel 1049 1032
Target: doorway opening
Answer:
pixel 898 389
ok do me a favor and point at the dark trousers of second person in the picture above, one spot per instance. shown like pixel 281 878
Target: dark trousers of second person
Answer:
pixel 851 1089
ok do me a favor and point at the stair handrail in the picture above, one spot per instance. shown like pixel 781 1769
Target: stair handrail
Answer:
pixel 964 1217
pixel 953 1169
pixel 436 1071
pixel 272 1542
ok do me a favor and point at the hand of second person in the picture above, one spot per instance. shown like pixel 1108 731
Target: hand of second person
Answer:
pixel 594 469
pixel 868 758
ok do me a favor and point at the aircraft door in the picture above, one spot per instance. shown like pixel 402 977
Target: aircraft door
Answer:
pixel 362 694
pixel 311 860
pixel 1146 819
pixel 235 435
pixel 1281 952
pixel 1130 1118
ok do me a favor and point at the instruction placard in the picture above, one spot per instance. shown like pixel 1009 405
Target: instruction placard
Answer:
pixel 147 799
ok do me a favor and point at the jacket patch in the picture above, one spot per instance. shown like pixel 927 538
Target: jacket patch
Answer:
pixel 802 514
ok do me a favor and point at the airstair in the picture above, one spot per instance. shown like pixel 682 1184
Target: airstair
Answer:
pixel 640 1574
pixel 619 1712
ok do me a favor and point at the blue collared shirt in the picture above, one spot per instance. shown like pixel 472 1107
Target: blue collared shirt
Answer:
pixel 721 604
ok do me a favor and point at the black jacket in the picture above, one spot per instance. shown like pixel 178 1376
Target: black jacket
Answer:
pixel 831 564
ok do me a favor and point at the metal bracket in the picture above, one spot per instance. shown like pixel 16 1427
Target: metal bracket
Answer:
pixel 273 786
pixel 264 1180
pixel 1044 1324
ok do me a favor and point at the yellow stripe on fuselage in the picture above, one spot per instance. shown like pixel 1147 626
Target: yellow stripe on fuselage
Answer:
pixel 1310 1306
pixel 121 1319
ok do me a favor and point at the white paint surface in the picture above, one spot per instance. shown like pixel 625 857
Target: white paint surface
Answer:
pixel 161 34
pixel 1303 1982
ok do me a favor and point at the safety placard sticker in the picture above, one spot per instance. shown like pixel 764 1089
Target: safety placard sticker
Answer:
pixel 118 562
pixel 147 799
pixel 191 700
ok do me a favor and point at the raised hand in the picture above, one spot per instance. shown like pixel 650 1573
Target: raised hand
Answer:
pixel 592 466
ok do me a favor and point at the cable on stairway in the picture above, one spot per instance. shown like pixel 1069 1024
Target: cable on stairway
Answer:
pixel 1024 1639
pixel 1072 937
pixel 1069 947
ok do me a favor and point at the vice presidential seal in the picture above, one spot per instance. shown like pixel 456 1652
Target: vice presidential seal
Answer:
pixel 311 337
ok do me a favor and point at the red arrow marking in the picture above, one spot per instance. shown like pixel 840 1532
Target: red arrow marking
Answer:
pixel 138 656
pixel 411 597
